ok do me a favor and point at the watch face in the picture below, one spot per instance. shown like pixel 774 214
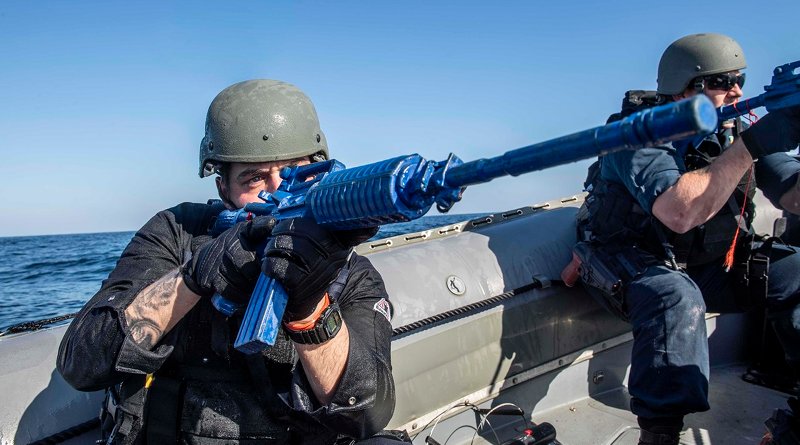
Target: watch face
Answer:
pixel 332 322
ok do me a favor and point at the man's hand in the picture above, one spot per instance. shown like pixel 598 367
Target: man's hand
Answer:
pixel 778 131
pixel 306 258
pixel 228 263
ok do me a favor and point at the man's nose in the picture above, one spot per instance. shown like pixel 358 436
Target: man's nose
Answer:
pixel 736 91
pixel 272 182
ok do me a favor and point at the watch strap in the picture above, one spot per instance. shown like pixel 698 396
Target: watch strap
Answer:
pixel 311 320
pixel 327 325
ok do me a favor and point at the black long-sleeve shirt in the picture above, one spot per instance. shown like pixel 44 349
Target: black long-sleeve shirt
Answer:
pixel 97 351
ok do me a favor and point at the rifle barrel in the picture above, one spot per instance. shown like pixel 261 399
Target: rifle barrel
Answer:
pixel 653 126
pixel 729 112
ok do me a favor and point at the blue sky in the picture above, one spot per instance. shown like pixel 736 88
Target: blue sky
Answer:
pixel 102 104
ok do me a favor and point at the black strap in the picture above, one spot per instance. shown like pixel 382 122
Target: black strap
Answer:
pixel 163 410
pixel 686 242
pixel 263 384
pixel 128 406
pixel 737 211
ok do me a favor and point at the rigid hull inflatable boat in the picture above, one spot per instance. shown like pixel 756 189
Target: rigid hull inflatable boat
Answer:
pixel 482 325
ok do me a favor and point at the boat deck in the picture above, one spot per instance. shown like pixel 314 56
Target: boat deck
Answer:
pixel 737 415
pixel 588 404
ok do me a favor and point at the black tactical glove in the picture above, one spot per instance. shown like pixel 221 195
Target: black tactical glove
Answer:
pixel 778 131
pixel 227 264
pixel 306 258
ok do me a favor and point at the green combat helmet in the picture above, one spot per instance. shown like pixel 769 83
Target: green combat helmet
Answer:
pixel 697 55
pixel 260 121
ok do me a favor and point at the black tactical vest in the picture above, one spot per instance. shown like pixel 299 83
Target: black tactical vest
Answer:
pixel 614 216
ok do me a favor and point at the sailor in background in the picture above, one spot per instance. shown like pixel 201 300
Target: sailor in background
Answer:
pixel 152 337
pixel 672 223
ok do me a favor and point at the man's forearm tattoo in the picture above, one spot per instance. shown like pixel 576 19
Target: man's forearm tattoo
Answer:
pixel 152 310
pixel 145 333
pixel 160 293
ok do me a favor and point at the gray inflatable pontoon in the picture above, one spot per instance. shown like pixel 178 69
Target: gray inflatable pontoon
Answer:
pixel 481 322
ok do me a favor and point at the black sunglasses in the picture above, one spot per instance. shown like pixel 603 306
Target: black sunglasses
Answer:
pixel 724 81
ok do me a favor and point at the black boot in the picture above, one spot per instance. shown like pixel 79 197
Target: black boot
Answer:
pixel 650 438
pixel 660 430
pixel 784 425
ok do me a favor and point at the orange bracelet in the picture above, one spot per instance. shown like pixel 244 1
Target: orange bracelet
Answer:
pixel 309 322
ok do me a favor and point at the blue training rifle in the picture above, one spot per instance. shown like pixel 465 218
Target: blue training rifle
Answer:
pixel 406 187
pixel 784 91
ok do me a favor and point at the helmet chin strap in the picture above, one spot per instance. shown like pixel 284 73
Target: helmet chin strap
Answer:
pixel 209 168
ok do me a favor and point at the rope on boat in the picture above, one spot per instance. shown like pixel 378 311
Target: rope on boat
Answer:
pixel 68 433
pixel 35 325
pixel 470 308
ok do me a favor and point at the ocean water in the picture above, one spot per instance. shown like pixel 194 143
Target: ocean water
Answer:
pixel 47 276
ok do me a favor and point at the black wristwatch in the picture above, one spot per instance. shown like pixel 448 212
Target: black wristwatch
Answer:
pixel 326 327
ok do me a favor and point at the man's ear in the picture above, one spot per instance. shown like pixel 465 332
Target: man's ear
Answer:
pixel 690 91
pixel 221 191
pixel 687 93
